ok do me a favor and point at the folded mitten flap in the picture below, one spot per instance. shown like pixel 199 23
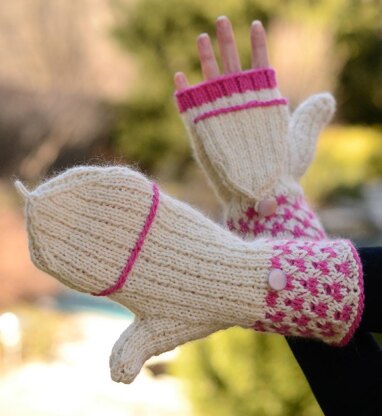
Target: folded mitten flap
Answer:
pixel 238 126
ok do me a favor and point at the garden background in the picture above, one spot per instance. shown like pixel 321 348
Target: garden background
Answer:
pixel 90 81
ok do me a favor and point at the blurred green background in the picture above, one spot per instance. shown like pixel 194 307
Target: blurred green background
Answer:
pixel 91 82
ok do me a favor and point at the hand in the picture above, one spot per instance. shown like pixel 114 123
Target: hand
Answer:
pixel 228 52
pixel 239 124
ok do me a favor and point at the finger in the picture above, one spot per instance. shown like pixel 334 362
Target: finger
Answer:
pixel 208 62
pixel 259 45
pixel 180 81
pixel 227 45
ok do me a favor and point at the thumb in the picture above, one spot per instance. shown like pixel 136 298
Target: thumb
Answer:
pixel 306 123
pixel 129 353
pixel 146 337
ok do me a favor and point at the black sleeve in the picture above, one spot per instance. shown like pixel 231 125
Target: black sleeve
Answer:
pixel 348 380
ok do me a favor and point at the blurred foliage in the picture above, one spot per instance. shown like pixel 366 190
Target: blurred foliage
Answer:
pixel 244 373
pixel 359 40
pixel 162 36
pixel 346 158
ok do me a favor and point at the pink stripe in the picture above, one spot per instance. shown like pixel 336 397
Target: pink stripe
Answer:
pixel 137 248
pixel 209 91
pixel 249 104
pixel 361 300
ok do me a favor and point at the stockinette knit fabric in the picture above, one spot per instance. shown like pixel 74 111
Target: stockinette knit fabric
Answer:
pixel 252 150
pixel 110 231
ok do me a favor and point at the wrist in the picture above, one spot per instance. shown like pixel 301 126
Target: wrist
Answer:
pixel 292 217
pixel 323 295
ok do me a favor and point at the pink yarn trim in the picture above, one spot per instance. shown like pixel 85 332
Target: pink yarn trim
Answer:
pixel 137 248
pixel 361 300
pixel 232 108
pixel 226 85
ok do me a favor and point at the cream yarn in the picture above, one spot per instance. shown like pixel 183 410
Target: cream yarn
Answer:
pixel 190 276
pixel 244 138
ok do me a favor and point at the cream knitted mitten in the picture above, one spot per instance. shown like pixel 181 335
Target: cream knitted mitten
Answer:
pixel 254 152
pixel 111 232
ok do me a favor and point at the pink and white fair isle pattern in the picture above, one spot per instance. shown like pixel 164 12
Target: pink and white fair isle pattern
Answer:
pixel 293 218
pixel 323 297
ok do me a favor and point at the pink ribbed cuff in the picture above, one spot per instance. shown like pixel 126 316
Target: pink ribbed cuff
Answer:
pixel 226 85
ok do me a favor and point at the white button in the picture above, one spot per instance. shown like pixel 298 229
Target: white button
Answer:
pixel 277 279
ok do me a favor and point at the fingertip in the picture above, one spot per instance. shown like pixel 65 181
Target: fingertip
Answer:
pixel 203 36
pixel 180 81
pixel 223 23
pixel 257 29
pixel 256 24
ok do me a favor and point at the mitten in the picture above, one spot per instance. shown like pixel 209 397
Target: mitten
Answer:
pixel 254 152
pixel 109 231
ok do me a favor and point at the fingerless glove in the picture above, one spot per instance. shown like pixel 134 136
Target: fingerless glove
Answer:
pixel 254 152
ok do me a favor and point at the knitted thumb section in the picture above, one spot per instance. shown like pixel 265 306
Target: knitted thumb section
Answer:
pixel 90 226
pixel 306 123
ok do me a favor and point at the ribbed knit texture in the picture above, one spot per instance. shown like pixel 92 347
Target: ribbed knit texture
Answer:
pixel 252 149
pixel 190 277
pixel 237 131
